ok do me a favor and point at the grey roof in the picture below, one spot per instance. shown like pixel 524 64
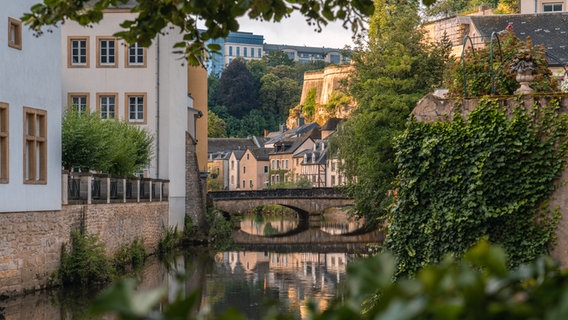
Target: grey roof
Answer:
pixel 275 137
pixel 260 154
pixel 289 145
pixel 549 29
pixel 230 144
pixel 239 154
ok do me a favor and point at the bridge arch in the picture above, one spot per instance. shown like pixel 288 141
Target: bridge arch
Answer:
pixel 300 200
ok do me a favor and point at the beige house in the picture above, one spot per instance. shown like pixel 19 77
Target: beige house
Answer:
pixel 254 166
pixel 283 166
pixel 219 152
pixel 235 169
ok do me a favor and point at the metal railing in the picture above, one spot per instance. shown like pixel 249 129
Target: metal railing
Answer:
pixel 88 188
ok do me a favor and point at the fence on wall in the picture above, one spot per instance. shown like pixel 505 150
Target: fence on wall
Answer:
pixel 89 188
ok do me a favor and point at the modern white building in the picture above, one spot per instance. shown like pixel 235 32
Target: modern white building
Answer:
pixel 147 87
pixel 30 114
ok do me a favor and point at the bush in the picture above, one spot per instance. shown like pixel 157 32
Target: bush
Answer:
pixel 130 255
pixel 220 231
pixel 84 262
pixel 114 147
pixel 169 240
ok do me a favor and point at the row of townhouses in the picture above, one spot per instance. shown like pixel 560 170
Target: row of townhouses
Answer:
pixel 300 155
pixel 87 67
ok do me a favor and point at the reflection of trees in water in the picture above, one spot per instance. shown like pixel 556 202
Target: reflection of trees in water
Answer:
pixel 268 222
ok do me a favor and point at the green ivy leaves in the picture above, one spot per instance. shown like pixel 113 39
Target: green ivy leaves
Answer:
pixel 485 176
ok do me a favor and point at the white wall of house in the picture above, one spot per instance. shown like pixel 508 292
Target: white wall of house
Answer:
pixel 532 6
pixel 30 77
pixel 161 79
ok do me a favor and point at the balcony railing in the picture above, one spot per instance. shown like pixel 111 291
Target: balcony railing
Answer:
pixel 88 188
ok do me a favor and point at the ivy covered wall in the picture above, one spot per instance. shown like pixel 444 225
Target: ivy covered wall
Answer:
pixel 486 172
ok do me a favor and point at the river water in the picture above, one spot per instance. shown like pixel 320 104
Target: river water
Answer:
pixel 249 280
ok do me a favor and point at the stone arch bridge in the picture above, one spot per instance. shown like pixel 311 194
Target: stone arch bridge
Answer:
pixel 304 201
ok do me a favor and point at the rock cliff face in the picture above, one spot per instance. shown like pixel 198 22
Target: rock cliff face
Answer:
pixel 330 101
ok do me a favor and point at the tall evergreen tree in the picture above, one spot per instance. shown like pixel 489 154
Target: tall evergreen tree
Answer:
pixel 236 90
pixel 394 69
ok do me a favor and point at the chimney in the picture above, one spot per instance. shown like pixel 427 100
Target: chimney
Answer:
pixel 300 121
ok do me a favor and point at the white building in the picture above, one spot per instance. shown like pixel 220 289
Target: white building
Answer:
pixel 30 114
pixel 147 87
pixel 541 6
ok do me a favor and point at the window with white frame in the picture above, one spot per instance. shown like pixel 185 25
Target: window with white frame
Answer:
pixel 106 105
pixel 136 107
pixel 78 52
pixel 4 143
pixel 106 51
pixel 135 56
pixel 35 146
pixel 552 7
pixel 14 33
pixel 230 51
pixel 238 51
pixel 245 51
pixel 79 102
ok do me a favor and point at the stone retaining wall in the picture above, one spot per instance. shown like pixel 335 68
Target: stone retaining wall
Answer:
pixel 30 242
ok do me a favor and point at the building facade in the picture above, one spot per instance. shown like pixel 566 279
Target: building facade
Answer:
pixel 30 114
pixel 543 6
pixel 249 46
pixel 146 87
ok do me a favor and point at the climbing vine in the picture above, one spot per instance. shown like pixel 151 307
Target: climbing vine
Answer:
pixel 487 176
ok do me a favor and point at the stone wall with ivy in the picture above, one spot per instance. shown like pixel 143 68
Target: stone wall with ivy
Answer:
pixel 509 158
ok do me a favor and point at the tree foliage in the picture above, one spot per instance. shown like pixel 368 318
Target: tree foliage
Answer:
pixel 394 69
pixel 216 127
pixel 485 177
pixel 91 143
pixel 236 89
pixel 218 16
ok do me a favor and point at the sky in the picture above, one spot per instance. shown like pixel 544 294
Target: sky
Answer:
pixel 296 31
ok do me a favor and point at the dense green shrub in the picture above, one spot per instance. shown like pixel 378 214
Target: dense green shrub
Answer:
pixel 114 147
pixel 169 240
pixel 220 230
pixel 84 261
pixel 487 176
pixel 130 255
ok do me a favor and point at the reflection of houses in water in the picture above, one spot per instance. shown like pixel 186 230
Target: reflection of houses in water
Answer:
pixel 337 228
pixel 242 261
pixel 269 225
pixel 298 277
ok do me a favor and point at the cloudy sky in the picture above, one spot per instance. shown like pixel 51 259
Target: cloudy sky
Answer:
pixel 295 31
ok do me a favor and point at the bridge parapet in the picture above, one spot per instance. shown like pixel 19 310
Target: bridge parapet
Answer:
pixel 304 201
pixel 297 193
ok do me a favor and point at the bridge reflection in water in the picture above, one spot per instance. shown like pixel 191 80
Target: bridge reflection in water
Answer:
pixel 333 227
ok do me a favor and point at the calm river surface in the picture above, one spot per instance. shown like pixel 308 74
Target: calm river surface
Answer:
pixel 246 280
